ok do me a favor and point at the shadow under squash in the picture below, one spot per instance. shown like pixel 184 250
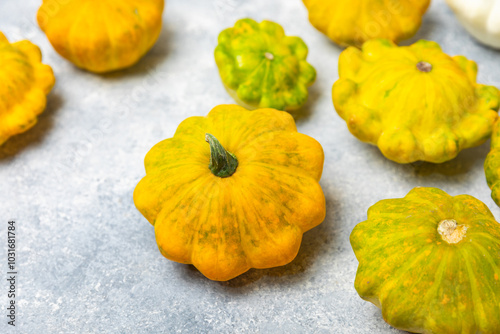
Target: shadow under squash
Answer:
pixel 314 243
pixel 303 114
pixel 462 164
pixel 34 135
pixel 151 60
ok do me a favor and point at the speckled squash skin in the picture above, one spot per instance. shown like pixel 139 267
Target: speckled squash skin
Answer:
pixel 353 22
pixel 492 164
pixel 24 85
pixel 254 218
pixel 413 102
pixel 426 277
pixel 101 35
pixel 262 68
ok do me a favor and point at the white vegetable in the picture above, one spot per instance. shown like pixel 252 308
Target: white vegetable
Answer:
pixel 481 18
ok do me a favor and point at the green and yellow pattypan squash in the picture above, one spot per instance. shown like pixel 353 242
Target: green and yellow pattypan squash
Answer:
pixel 232 191
pixel 24 85
pixel 262 68
pixel 431 262
pixel 492 164
pixel 353 22
pixel 413 102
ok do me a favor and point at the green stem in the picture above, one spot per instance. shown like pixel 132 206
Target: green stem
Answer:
pixel 222 162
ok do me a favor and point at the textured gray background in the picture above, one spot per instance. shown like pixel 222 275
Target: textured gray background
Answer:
pixel 88 260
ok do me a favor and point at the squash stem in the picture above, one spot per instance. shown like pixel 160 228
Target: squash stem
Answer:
pixel 450 231
pixel 222 163
pixel 424 67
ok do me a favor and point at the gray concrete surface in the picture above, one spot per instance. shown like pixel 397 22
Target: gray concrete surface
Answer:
pixel 88 261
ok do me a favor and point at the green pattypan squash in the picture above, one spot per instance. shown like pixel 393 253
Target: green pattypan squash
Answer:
pixel 431 262
pixel 262 68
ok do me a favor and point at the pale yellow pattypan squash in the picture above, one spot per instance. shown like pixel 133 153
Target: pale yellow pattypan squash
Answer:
pixel 24 85
pixel 352 22
pixel 481 18
pixel 413 102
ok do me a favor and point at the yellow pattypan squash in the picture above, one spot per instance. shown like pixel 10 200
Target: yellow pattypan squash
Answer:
pixel 353 22
pixel 492 164
pixel 431 262
pixel 413 102
pixel 24 85
pixel 233 190
pixel 101 35
pixel 261 67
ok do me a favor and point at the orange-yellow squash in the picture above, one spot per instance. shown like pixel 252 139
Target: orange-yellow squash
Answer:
pixel 101 35
pixel 241 200
pixel 413 102
pixel 24 85
pixel 431 262
pixel 353 22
